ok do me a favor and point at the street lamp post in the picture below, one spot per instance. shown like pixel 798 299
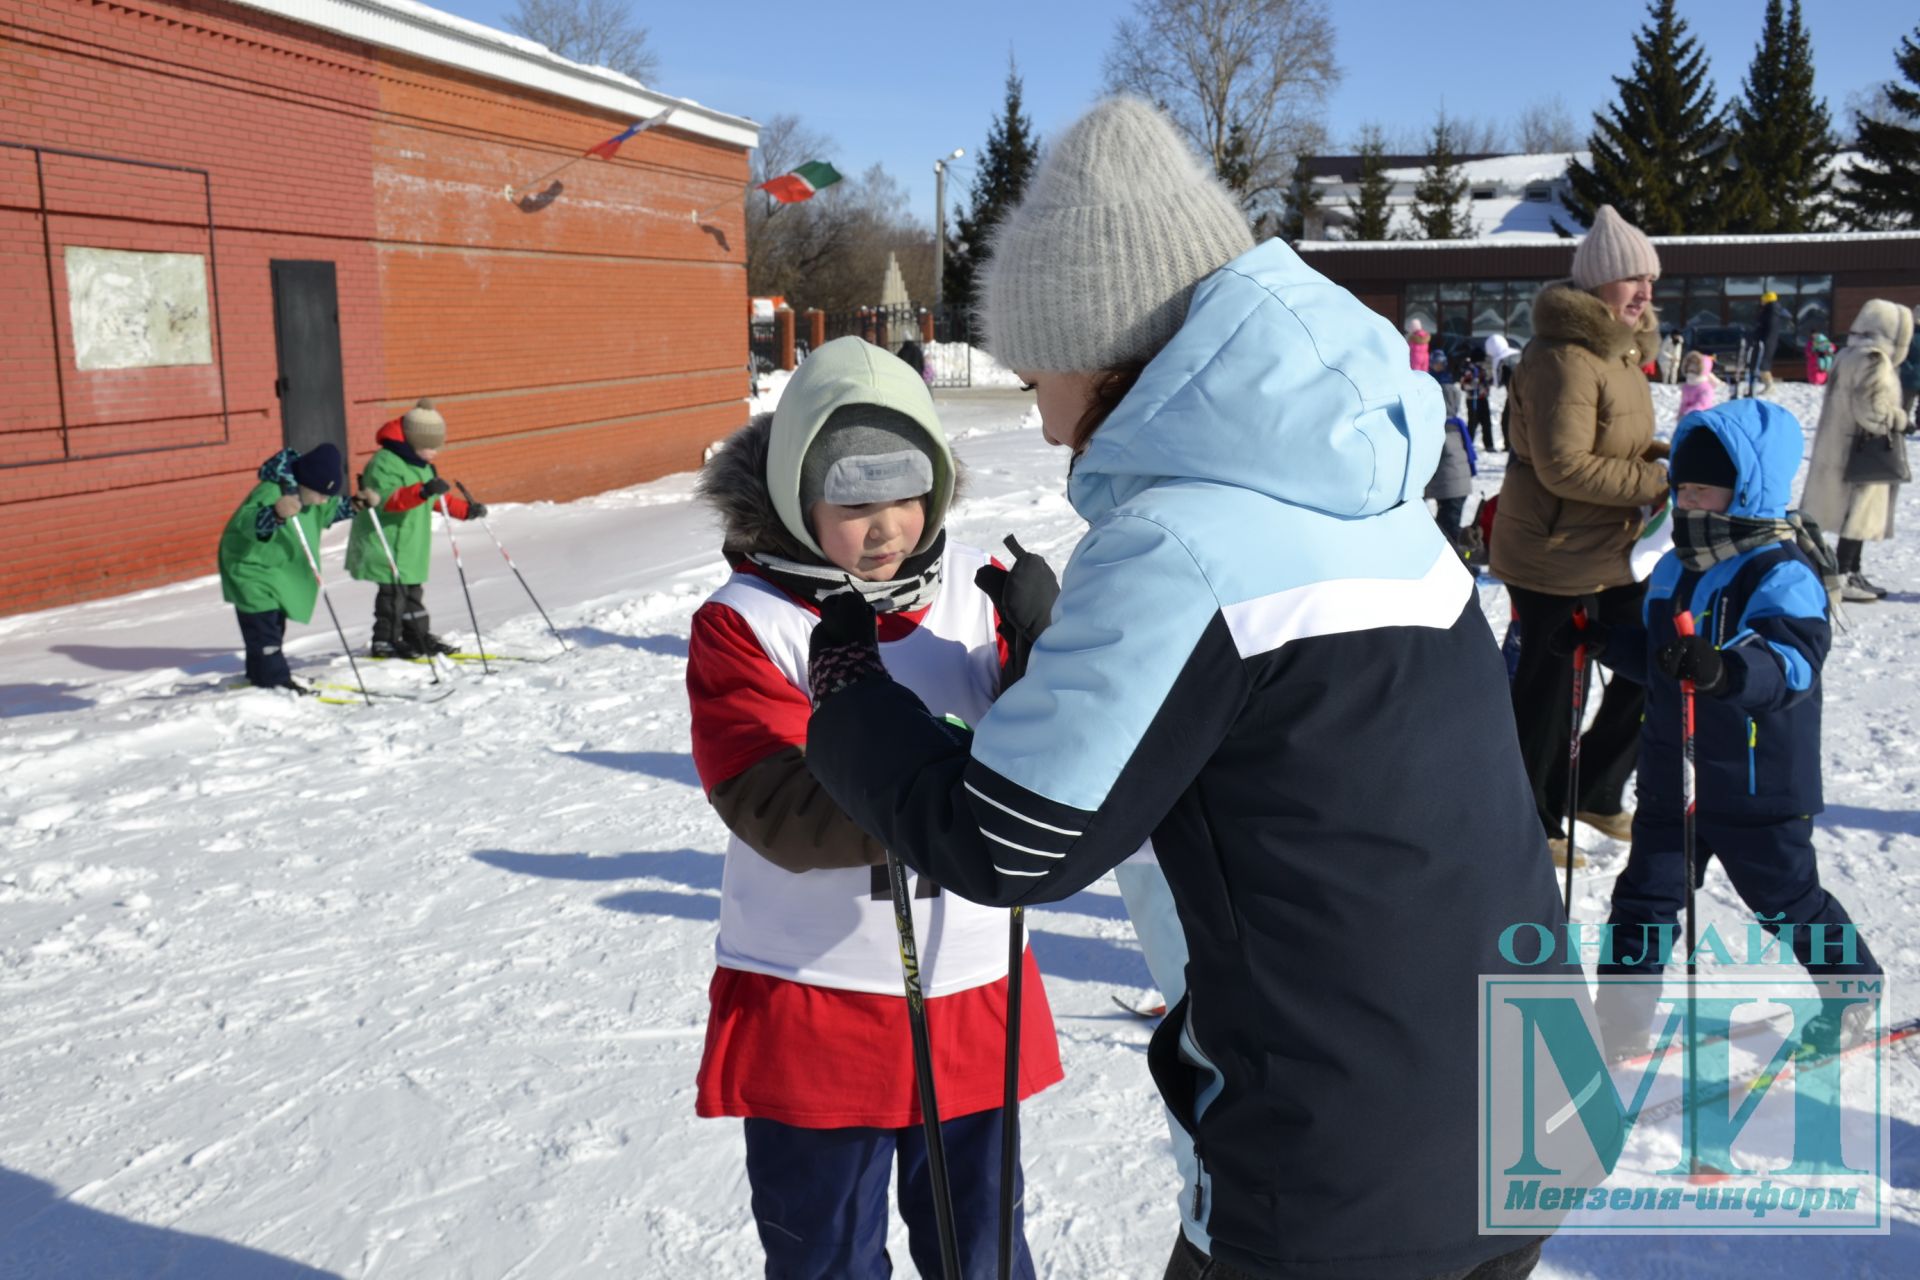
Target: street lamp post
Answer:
pixel 940 223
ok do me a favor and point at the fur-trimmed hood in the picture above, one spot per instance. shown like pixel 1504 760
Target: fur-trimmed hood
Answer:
pixel 734 483
pixel 1564 312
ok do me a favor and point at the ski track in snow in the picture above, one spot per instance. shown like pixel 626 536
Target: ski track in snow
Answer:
pixel 291 989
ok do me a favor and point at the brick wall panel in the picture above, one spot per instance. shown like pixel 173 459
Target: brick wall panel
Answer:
pixel 582 341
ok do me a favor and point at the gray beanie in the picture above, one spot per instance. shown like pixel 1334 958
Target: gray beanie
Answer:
pixel 866 453
pixel 1094 268
pixel 1614 249
pixel 423 426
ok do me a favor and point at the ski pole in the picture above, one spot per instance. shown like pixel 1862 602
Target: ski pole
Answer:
pixel 488 526
pixel 1580 621
pixel 479 644
pixel 393 566
pixel 1010 1101
pixel 923 1069
pixel 340 631
pixel 1683 625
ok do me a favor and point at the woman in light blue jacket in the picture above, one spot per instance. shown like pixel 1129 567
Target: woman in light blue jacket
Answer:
pixel 1252 649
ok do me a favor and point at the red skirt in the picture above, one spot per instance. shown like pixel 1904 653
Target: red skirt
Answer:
pixel 822 1058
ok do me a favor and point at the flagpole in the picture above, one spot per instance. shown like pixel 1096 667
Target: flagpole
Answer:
pixel 723 204
pixel 540 182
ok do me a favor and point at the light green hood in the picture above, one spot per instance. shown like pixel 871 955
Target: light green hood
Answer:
pixel 850 371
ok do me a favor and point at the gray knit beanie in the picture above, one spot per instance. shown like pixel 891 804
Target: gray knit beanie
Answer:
pixel 866 453
pixel 1614 249
pixel 423 426
pixel 1094 268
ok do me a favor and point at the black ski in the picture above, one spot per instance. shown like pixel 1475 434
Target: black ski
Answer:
pixel 1151 1012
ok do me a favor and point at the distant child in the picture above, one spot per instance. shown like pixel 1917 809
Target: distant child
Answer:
pixel 1819 359
pixel 1418 340
pixel 1762 614
pixel 402 470
pixel 845 488
pixel 1453 480
pixel 1701 388
pixel 264 573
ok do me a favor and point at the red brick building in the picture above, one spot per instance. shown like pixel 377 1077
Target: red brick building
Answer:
pixel 225 227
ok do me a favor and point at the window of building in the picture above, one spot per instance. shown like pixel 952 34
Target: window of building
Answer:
pixel 1539 192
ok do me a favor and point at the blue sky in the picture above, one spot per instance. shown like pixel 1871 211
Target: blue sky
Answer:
pixel 903 84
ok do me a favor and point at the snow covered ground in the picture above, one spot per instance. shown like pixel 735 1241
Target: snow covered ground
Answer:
pixel 289 989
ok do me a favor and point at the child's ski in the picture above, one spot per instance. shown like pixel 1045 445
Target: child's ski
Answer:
pixel 1148 1011
pixel 474 657
pixel 1906 1034
pixel 432 693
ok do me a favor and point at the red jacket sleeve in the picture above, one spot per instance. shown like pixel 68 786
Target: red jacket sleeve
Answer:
pixel 744 708
pixel 410 497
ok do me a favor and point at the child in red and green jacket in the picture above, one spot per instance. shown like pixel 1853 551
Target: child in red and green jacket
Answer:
pixel 402 470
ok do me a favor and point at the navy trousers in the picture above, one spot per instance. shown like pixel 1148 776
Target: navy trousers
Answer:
pixel 264 634
pixel 820 1199
pixel 1773 868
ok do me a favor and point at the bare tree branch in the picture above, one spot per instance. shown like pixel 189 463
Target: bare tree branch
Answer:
pixel 598 33
pixel 1245 80
pixel 1545 127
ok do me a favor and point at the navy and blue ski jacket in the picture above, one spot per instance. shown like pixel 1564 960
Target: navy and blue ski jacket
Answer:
pixel 1757 744
pixel 1264 657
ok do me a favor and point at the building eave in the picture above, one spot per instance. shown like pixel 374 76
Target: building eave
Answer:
pixel 437 37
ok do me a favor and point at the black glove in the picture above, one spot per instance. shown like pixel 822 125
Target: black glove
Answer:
pixel 1023 596
pixel 845 647
pixel 1694 658
pixel 1562 640
pixel 476 511
pixel 431 489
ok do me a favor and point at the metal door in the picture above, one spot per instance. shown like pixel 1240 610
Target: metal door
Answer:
pixel 306 338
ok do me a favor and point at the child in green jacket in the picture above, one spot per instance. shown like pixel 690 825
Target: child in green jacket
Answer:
pixel 402 469
pixel 264 573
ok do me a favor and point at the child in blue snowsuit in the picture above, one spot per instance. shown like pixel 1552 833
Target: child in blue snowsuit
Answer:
pixel 1761 614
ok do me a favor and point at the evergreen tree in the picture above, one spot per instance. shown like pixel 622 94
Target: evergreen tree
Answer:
pixel 1370 215
pixel 1657 151
pixel 1437 210
pixel 1303 202
pixel 1886 190
pixel 1783 143
pixel 1006 165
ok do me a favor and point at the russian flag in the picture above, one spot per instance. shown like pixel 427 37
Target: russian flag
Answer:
pixel 606 149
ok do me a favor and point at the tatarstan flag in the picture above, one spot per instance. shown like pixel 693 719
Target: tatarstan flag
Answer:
pixel 791 188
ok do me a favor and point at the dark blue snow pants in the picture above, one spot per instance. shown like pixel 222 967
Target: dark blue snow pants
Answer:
pixel 1773 868
pixel 264 634
pixel 820 1199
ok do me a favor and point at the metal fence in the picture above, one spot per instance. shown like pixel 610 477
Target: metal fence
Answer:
pixel 949 357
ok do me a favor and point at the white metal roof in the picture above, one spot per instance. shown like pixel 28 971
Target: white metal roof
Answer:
pixel 425 32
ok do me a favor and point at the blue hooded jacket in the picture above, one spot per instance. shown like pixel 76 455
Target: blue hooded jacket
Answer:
pixel 1266 658
pixel 1756 744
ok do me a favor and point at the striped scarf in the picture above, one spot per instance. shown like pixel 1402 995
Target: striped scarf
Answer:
pixel 1703 539
pixel 913 587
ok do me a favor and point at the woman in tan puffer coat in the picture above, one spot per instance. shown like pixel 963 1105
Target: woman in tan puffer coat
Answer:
pixel 1583 470
pixel 1863 397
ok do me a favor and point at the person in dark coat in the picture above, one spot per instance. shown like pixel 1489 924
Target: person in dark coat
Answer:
pixel 1246 663
pixel 1767 328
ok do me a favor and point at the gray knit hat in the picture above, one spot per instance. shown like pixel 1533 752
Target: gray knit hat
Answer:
pixel 1094 268
pixel 1614 249
pixel 423 426
pixel 866 453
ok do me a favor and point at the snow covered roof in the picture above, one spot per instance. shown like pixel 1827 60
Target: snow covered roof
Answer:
pixel 425 32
